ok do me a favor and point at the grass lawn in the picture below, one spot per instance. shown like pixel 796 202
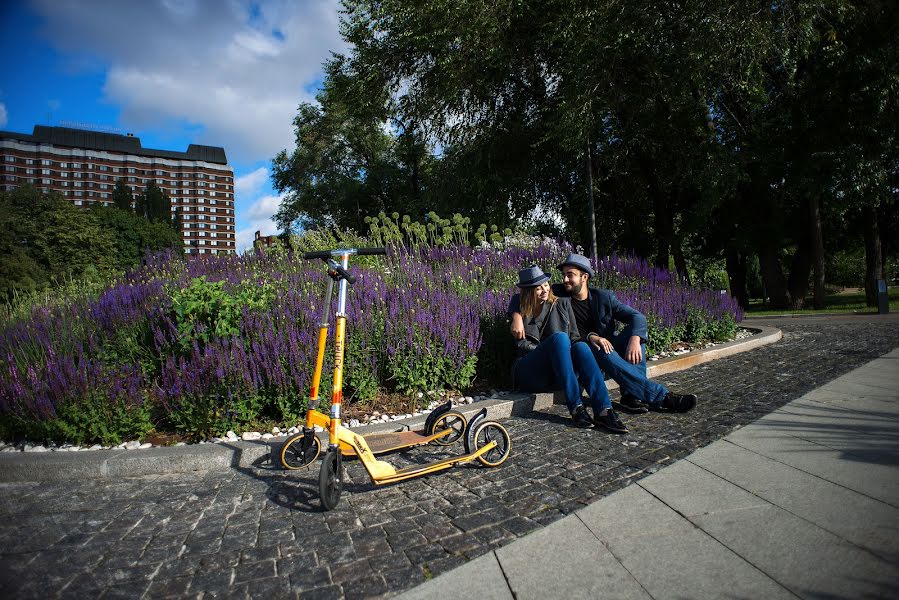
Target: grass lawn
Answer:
pixel 848 300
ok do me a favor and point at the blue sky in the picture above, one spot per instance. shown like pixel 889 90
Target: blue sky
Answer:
pixel 226 73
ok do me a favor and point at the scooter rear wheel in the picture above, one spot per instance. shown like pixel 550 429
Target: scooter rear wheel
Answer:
pixel 491 431
pixel 298 451
pixel 330 479
pixel 453 421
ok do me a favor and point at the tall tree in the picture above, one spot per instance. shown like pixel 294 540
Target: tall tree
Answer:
pixel 154 205
pixel 122 195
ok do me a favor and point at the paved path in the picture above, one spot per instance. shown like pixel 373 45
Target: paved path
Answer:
pixel 802 503
pixel 258 533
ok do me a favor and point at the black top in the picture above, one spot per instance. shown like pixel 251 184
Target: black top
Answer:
pixel 584 317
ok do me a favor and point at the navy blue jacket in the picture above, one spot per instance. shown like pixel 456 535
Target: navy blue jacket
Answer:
pixel 607 310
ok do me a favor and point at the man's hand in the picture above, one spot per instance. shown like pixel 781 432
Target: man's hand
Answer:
pixel 601 343
pixel 634 353
pixel 517 326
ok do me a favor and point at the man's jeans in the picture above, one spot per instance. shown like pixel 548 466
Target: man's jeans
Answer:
pixel 631 378
pixel 557 363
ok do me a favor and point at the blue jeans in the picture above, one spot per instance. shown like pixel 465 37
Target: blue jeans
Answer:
pixel 631 378
pixel 557 363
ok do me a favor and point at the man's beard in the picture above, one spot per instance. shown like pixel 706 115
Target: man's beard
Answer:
pixel 573 289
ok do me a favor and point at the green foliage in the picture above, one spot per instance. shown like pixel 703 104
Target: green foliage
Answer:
pixel 154 205
pixel 204 309
pixel 122 195
pixel 133 235
pixel 82 421
pixel 45 238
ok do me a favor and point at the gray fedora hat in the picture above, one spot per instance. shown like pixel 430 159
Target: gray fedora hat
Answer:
pixel 531 276
pixel 576 260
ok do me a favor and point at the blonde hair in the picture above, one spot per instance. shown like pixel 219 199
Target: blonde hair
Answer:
pixel 530 304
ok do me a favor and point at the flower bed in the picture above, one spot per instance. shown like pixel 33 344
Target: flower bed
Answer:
pixel 220 343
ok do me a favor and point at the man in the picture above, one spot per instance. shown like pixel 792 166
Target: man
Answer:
pixel 621 357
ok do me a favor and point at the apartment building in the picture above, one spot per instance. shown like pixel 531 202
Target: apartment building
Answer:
pixel 85 165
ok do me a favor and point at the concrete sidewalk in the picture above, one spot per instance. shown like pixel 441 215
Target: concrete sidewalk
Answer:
pixel 803 502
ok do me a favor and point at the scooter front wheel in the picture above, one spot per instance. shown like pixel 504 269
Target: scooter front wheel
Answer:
pixel 455 424
pixel 330 479
pixel 300 450
pixel 491 431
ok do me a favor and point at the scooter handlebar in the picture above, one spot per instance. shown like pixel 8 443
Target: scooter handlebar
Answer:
pixel 350 278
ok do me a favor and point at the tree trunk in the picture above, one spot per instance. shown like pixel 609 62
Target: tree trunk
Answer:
pixel 680 263
pixel 800 269
pixel 736 275
pixel 775 282
pixel 592 206
pixel 662 221
pixel 873 254
pixel 817 247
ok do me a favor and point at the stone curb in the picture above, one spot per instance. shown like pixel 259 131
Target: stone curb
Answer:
pixel 223 456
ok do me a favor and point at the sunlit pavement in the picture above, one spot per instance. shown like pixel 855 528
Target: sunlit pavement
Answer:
pixel 257 532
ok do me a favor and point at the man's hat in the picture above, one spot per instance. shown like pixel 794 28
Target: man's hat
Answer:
pixel 581 262
pixel 531 277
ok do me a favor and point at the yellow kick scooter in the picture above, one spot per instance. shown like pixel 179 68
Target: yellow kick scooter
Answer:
pixel 486 441
pixel 443 426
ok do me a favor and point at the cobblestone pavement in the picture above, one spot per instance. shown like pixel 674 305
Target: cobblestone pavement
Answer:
pixel 259 532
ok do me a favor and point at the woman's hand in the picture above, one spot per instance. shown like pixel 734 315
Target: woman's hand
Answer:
pixel 601 343
pixel 517 328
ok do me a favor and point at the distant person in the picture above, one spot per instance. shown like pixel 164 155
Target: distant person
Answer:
pixel 551 355
pixel 623 356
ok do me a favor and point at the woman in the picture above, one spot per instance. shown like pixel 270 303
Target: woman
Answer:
pixel 551 354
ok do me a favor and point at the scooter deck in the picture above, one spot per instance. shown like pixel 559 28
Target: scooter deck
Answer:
pixel 416 470
pixel 380 443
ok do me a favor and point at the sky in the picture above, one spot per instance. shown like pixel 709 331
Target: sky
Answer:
pixel 227 73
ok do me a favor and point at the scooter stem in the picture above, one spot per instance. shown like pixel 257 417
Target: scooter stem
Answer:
pixel 339 346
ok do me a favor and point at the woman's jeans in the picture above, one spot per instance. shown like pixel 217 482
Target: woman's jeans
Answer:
pixel 631 378
pixel 557 363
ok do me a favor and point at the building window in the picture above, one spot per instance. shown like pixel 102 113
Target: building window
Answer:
pixel 104 168
pixel 10 168
pixel 47 163
pixel 9 158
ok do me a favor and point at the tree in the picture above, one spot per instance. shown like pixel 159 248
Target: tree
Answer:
pixel 122 195
pixel 154 205
pixel 133 236
pixel 46 239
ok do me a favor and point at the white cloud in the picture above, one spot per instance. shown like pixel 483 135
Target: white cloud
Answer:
pixel 258 217
pixel 3 116
pixel 236 69
pixel 250 184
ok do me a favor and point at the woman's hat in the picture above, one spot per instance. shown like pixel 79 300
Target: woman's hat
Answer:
pixel 531 276
pixel 579 261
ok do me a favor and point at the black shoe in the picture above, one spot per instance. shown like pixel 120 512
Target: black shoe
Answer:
pixel 610 422
pixel 679 402
pixel 630 404
pixel 581 417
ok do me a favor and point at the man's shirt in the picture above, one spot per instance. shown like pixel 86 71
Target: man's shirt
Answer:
pixel 583 316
